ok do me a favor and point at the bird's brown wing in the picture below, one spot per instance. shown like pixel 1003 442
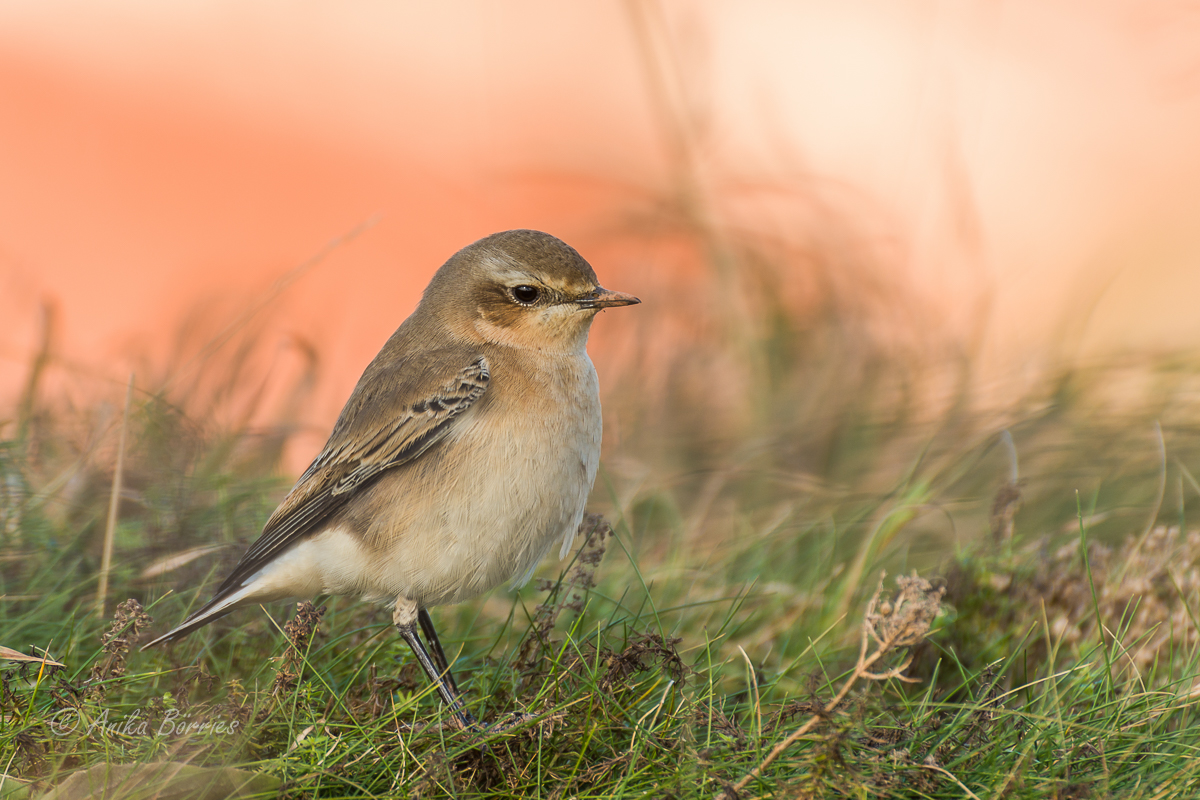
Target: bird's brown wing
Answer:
pixel 396 413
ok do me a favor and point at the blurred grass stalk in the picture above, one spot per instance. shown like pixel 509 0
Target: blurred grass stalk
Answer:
pixel 789 349
pixel 110 528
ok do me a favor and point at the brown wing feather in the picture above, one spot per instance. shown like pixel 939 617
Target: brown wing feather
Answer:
pixel 395 414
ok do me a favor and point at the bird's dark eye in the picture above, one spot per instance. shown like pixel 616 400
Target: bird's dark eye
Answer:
pixel 526 294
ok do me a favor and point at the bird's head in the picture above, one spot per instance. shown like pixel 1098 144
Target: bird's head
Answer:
pixel 523 289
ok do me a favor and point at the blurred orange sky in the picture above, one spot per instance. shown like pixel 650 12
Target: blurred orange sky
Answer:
pixel 1032 166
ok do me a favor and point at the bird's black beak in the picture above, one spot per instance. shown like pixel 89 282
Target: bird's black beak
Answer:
pixel 606 298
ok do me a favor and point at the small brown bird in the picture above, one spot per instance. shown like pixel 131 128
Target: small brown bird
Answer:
pixel 467 449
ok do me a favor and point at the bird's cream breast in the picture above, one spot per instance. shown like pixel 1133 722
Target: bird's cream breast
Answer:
pixel 483 507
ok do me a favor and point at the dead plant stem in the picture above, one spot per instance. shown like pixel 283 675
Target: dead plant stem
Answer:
pixel 861 670
pixel 110 528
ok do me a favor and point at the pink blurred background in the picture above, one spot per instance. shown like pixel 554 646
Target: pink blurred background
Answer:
pixel 1025 174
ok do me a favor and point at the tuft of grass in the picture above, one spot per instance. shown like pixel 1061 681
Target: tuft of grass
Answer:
pixel 646 665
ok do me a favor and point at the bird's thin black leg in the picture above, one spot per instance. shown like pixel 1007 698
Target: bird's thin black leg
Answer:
pixel 448 694
pixel 439 655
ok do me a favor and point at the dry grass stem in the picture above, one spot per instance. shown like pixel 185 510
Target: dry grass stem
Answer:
pixel 299 631
pixel 110 528
pixel 569 594
pixel 129 620
pixel 901 622
pixel 952 777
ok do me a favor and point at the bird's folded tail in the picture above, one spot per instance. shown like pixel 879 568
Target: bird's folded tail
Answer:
pixel 214 609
